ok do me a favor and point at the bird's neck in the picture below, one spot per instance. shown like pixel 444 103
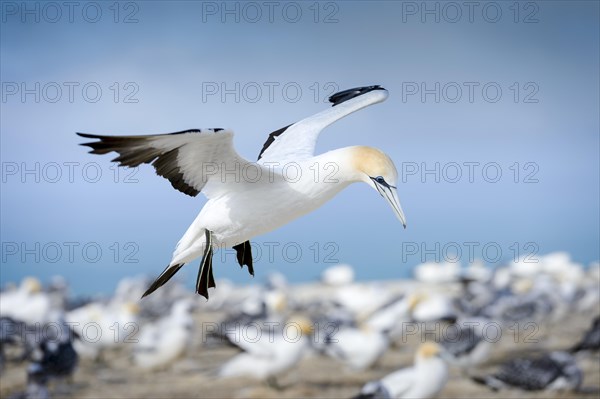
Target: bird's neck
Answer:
pixel 339 165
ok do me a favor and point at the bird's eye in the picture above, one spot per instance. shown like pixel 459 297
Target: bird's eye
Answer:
pixel 380 180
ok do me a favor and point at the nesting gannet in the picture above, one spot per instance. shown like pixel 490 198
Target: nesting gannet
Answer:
pixel 58 292
pixel 338 275
pixel 260 309
pixel 103 326
pixel 276 281
pixel 554 371
pixel 477 271
pixel 437 273
pixel 271 353
pixel 473 297
pixel 362 299
pixel 431 307
pixel 328 319
pixel 161 343
pixel 525 303
pixel 58 356
pixel 588 297
pixel 52 356
pixel 257 197
pixel 393 316
pixel 27 304
pixel 129 289
pixel 425 379
pixel 466 344
pixel 357 348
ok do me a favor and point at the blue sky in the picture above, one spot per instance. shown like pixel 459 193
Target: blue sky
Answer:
pixel 155 74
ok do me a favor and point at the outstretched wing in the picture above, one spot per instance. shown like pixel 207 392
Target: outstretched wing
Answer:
pixel 298 140
pixel 188 159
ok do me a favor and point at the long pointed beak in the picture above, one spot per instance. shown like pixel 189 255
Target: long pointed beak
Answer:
pixel 389 193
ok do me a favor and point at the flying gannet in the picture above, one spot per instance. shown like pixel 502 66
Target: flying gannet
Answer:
pixel 261 196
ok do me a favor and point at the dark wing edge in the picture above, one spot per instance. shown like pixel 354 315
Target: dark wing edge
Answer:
pixel 345 95
pixel 135 150
pixel 335 99
pixel 271 139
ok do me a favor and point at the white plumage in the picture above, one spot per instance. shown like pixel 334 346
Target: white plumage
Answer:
pixel 102 326
pixel 357 348
pixel 27 303
pixel 433 307
pixel 247 198
pixel 271 353
pixel 437 273
pixel 425 379
pixel 338 275
pixel 164 341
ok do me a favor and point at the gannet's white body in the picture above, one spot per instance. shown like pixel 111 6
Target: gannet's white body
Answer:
pixel 273 353
pixel 359 349
pixel 247 199
pixel 252 208
pixel 425 379
pixel 164 341
pixel 27 303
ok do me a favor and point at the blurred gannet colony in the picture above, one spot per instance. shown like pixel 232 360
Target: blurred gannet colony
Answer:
pixel 523 327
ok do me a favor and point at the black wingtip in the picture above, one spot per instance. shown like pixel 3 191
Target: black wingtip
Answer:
pixel 349 94
pixel 89 135
pixel 86 136
pixel 94 145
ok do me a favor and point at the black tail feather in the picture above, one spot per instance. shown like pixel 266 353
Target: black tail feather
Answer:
pixel 163 278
